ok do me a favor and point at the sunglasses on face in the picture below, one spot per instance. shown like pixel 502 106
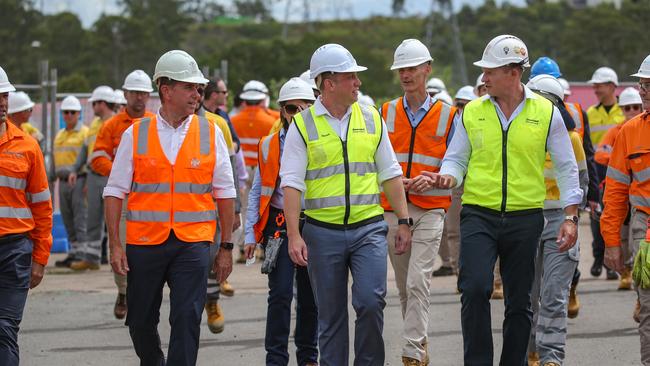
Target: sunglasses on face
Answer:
pixel 460 105
pixel 69 112
pixel 292 108
pixel 634 107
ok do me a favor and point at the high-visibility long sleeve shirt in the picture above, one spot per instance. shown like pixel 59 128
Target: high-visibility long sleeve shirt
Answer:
pixel 604 151
pixel 25 202
pixel 628 177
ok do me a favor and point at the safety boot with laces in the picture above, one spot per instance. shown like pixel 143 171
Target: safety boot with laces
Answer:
pixel 574 302
pixel 215 316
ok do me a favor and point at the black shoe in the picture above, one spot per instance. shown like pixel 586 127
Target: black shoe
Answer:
pixel 104 260
pixel 597 267
pixel 443 271
pixel 611 274
pixel 65 263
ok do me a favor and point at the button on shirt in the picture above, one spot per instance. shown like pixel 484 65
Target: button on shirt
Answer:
pixel 171 140
pixel 294 163
pixel 558 145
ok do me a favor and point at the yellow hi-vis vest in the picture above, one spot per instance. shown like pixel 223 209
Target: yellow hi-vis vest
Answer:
pixel 552 200
pixel 506 168
pixel 600 121
pixel 341 177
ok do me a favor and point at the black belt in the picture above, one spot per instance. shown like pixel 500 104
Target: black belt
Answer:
pixel 352 226
pixel 490 211
pixel 11 238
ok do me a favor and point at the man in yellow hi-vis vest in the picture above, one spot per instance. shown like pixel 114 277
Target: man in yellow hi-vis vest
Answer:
pixel 336 155
pixel 501 147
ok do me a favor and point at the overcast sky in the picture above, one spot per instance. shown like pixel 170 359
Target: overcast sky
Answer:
pixel 89 10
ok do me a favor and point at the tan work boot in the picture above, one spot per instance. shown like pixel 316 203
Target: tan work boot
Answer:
pixel 227 289
pixel 626 280
pixel 637 312
pixel 242 257
pixel 408 361
pixel 497 291
pixel 533 359
pixel 215 316
pixel 551 364
pixel 120 306
pixel 574 303
pixel 425 345
pixel 82 265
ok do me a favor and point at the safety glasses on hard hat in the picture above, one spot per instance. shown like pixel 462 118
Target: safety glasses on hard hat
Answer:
pixel 633 107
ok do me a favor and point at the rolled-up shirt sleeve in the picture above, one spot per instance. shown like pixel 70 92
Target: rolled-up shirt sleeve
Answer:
pixel 119 181
pixel 223 184
pixel 457 156
pixel 294 160
pixel 564 161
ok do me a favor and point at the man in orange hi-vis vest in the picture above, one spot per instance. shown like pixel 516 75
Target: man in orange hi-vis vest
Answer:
pixel 25 223
pixel 418 128
pixel 173 166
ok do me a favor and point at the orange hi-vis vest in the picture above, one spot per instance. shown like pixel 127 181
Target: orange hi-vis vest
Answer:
pixel 167 197
pixel 419 148
pixel 576 113
pixel 252 123
pixel 269 167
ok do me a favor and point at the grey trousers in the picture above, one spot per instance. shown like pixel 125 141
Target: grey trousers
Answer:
pixel 638 227
pixel 550 294
pixel 450 244
pixel 73 212
pixel 91 248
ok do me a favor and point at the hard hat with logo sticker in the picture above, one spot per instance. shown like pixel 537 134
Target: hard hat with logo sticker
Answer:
pixel 504 50
pixel 410 53
pixel 332 57
pixel 180 66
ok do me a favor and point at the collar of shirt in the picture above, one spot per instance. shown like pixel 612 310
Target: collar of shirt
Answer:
pixel 166 124
pixel 528 94
pixel 424 107
pixel 319 110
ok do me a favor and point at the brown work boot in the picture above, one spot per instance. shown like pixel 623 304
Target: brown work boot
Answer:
pixel 242 257
pixel 408 361
pixel 227 289
pixel 82 265
pixel 533 359
pixel 551 364
pixel 497 291
pixel 120 306
pixel 574 302
pixel 637 312
pixel 425 345
pixel 215 316
pixel 626 280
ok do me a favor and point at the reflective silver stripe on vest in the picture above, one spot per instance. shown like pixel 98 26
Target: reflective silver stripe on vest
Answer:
pixel 266 146
pixel 143 136
pixel 310 125
pixel 150 187
pixel 98 153
pixel 390 115
pixel 600 128
pixel 368 118
pixel 11 182
pixel 639 201
pixel 432 193
pixel 15 213
pixel 575 115
pixel 618 175
pixel 419 158
pixel 358 168
pixel 642 175
pixel 39 197
pixel 204 136
pixel 249 140
pixel 250 154
pixel 147 216
pixel 356 200
pixel 181 187
pixel 443 121
pixel 267 191
pixel 197 216
pixel 62 149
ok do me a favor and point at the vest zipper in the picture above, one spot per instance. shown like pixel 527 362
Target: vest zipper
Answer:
pixel 410 161
pixel 504 162
pixel 171 189
pixel 346 164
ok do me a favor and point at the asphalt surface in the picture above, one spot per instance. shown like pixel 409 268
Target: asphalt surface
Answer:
pixel 69 320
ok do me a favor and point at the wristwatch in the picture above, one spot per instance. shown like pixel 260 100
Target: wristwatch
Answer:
pixel 407 221
pixel 226 245
pixel 573 219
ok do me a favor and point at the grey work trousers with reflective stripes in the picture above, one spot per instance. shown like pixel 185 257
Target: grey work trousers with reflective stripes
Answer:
pixel 91 249
pixel 550 294
pixel 73 212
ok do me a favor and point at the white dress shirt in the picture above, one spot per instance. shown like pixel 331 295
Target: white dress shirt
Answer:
pixel 171 140
pixel 294 159
pixel 558 145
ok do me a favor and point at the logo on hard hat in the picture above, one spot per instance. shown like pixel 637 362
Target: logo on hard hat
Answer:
pixel 506 50
pixel 520 51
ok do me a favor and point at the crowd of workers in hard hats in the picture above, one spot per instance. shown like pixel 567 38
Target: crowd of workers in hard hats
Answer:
pixel 331 186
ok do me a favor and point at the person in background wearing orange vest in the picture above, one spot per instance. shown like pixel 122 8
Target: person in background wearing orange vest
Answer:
pixel 418 128
pixel 628 183
pixel 25 224
pixel 253 121
pixel 138 87
pixel 20 111
pixel 173 166
pixel 265 224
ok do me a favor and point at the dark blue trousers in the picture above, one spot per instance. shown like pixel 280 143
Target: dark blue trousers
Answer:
pixel 15 272
pixel 484 236
pixel 184 267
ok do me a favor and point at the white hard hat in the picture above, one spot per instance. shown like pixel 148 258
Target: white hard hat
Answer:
pixel 548 84
pixel 70 103
pixel 254 90
pixel 305 77
pixel 443 96
pixel 436 85
pixel 296 88
pixel 103 93
pixel 604 75
pixel 366 100
pixel 644 70
pixel 466 93
pixel 19 101
pixel 479 81
pixel 119 96
pixel 180 66
pixel 5 85
pixel 332 57
pixel 565 85
pixel 629 96
pixel 504 50
pixel 409 53
pixel 138 80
